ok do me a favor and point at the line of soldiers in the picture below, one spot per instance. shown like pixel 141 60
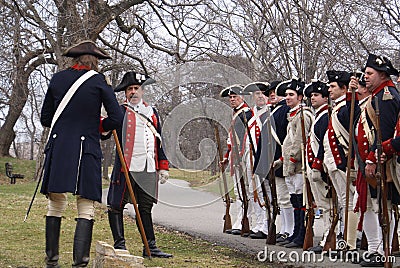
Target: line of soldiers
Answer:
pixel 337 151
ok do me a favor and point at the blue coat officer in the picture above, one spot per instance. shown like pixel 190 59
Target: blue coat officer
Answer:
pixel 377 77
pixel 73 153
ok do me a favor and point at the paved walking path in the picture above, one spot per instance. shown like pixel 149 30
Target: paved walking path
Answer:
pixel 200 214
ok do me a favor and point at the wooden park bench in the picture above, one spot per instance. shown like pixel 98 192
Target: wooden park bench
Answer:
pixel 13 176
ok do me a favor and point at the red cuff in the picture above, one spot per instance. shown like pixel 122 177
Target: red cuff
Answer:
pixel 371 157
pixel 388 148
pixel 317 164
pixel 281 158
pixel 101 129
pixel 292 160
pixel 163 165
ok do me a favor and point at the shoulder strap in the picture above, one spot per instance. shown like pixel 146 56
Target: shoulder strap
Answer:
pixel 370 111
pixel 149 123
pixel 69 95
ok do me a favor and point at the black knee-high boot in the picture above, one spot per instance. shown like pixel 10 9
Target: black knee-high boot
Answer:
pixel 302 228
pixel 298 222
pixel 296 212
pixel 151 240
pixel 53 225
pixel 115 218
pixel 82 241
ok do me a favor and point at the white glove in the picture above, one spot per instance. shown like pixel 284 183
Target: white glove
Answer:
pixel 315 175
pixel 163 176
pixel 277 164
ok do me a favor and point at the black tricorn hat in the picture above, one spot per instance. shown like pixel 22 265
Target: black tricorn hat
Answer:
pixel 133 78
pixel 272 86
pixel 293 84
pixel 86 47
pixel 256 86
pixel 381 63
pixel 233 90
pixel 316 86
pixel 361 78
pixel 338 76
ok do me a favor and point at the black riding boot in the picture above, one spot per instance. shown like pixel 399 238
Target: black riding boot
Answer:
pixel 82 241
pixel 151 240
pixel 155 251
pixel 296 213
pixel 52 240
pixel 302 228
pixel 299 232
pixel 115 218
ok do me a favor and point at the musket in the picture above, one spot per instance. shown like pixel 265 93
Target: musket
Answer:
pixel 271 238
pixel 348 167
pixel 238 168
pixel 380 177
pixel 395 240
pixel 308 239
pixel 364 242
pixel 131 193
pixel 227 199
pixel 330 241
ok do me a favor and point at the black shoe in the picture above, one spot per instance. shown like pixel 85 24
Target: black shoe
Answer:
pixel 373 260
pixel 284 242
pixel 258 235
pixel 236 231
pixel 228 231
pixel 293 245
pixel 282 237
pixel 317 249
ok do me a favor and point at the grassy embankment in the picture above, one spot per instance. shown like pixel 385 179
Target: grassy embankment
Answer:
pixel 22 243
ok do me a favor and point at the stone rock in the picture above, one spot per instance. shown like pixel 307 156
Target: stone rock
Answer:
pixel 108 257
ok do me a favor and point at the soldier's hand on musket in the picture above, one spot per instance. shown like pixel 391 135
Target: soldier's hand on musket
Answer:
pixel 277 164
pixel 353 83
pixel 383 156
pixel 223 163
pixel 370 169
pixel 164 176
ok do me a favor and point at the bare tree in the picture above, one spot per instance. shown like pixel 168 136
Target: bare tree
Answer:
pixel 42 30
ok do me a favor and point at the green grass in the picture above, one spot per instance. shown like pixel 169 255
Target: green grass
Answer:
pixel 23 243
